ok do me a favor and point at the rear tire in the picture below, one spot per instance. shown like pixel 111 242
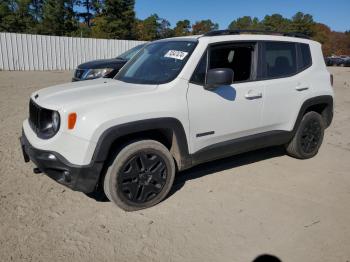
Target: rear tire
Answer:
pixel 140 176
pixel 308 137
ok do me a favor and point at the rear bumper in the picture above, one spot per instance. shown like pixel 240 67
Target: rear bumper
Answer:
pixel 78 178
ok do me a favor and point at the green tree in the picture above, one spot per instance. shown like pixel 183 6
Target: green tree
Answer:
pixel 116 20
pixel 59 18
pixel 36 7
pixel 164 30
pixel 204 26
pixel 90 8
pixel 302 23
pixel 16 16
pixel 275 22
pixel 5 12
pixel 245 22
pixel 147 29
pixel 70 17
pixel 182 28
pixel 322 34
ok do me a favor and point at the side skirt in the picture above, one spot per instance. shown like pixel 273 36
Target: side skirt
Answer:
pixel 241 145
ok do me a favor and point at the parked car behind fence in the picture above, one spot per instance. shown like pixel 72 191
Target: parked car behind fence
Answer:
pixel 107 68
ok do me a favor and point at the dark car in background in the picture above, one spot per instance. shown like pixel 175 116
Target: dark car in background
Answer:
pixel 107 68
pixel 338 61
pixel 345 61
pixel 333 61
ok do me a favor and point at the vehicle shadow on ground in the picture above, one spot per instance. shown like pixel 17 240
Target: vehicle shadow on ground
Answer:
pixel 224 164
pixel 211 168
pixel 267 258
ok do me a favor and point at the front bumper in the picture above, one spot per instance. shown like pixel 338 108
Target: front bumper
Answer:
pixel 75 79
pixel 79 178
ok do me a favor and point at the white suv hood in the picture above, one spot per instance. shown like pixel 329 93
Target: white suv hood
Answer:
pixel 86 92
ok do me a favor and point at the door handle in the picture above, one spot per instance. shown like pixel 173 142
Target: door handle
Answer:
pixel 301 88
pixel 253 95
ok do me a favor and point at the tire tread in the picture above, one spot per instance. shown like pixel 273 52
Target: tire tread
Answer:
pixel 293 148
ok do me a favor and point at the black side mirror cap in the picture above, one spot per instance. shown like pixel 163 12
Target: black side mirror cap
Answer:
pixel 219 77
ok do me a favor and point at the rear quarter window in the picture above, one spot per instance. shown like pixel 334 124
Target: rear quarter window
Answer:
pixel 305 59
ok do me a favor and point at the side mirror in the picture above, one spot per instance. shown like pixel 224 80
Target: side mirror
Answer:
pixel 219 77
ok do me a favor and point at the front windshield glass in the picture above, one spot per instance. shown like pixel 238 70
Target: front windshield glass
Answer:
pixel 157 63
pixel 130 53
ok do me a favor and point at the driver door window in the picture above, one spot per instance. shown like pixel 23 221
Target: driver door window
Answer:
pixel 239 58
pixel 236 57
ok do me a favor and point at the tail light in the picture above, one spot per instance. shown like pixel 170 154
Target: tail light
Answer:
pixel 331 79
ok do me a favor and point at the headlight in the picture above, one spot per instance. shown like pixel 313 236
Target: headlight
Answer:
pixel 97 73
pixel 44 122
pixel 55 121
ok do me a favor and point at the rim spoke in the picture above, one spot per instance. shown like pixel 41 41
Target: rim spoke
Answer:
pixel 130 190
pixel 130 171
pixel 129 175
pixel 134 165
pixel 150 189
pixel 139 192
pixel 158 175
pixel 146 191
pixel 155 188
pixel 150 160
pixel 157 167
pixel 140 163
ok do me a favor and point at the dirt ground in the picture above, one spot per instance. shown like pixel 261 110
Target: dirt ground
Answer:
pixel 229 210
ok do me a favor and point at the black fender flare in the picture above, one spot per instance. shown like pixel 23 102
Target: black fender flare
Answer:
pixel 179 149
pixel 314 101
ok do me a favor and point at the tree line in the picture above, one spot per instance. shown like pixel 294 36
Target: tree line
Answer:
pixel 116 19
pixel 333 43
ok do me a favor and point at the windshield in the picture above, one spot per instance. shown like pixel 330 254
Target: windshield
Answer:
pixel 130 53
pixel 157 63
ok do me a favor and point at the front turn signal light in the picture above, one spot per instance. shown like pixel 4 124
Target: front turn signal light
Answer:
pixel 72 118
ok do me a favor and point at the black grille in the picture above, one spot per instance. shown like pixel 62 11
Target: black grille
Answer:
pixel 34 116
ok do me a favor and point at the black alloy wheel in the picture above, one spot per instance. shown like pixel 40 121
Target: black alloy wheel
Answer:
pixel 310 136
pixel 142 177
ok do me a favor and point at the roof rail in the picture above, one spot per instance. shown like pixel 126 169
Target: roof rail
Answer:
pixel 253 31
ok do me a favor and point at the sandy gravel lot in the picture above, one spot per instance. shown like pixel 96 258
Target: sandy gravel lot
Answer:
pixel 229 210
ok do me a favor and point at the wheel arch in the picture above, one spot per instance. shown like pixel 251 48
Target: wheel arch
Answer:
pixel 168 131
pixel 320 104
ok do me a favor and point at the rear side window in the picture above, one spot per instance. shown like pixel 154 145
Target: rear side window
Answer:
pixel 305 56
pixel 279 59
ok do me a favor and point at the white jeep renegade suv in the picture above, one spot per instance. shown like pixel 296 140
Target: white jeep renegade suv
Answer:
pixel 178 103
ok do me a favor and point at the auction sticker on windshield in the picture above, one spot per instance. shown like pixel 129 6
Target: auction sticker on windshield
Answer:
pixel 176 54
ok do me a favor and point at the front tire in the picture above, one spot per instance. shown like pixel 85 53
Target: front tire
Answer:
pixel 308 137
pixel 140 176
